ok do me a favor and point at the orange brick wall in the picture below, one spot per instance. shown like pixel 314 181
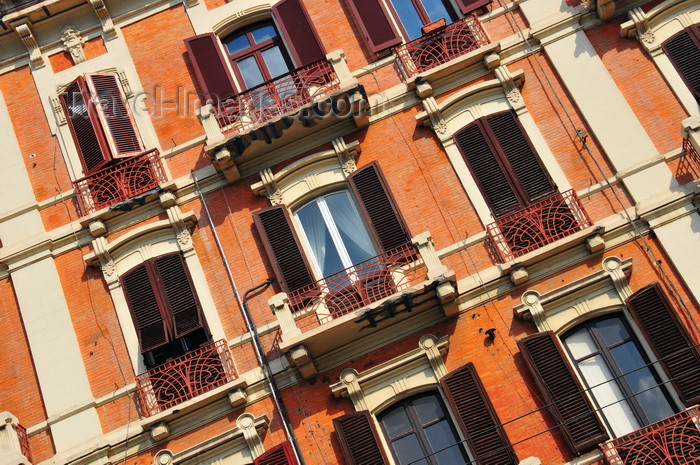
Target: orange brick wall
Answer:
pixel 92 48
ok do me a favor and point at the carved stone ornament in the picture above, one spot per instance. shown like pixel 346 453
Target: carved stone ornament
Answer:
pixel 109 269
pixel 440 127
pixel 73 44
pixel 184 237
pixel 514 96
pixel 345 155
pixel 25 34
pixel 648 37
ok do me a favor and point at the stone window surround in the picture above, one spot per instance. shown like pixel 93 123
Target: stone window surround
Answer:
pixel 656 26
pixel 457 111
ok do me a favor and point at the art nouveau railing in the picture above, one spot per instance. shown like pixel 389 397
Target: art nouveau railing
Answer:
pixel 690 155
pixel 23 442
pixel 537 225
pixel 442 45
pixel 121 181
pixel 185 377
pixel 360 285
pixel 274 98
pixel 673 441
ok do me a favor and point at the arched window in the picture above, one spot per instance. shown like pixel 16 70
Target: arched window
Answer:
pixel 419 431
pixel 683 49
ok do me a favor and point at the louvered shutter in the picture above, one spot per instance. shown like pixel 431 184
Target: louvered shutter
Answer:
pixel 379 207
pixel 486 169
pixel 375 24
pixel 115 117
pixel 138 287
pixel 84 126
pixel 179 294
pixel 683 50
pixel 467 6
pixel 358 439
pixel 282 454
pixel 480 424
pixel 561 392
pixel 670 341
pixel 283 248
pixel 299 32
pixel 210 67
pixel 525 165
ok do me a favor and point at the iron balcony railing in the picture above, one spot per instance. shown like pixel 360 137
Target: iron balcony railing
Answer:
pixel 442 45
pixel 23 442
pixel 537 225
pixel 120 181
pixel 690 157
pixel 185 377
pixel 673 441
pixel 277 97
pixel 357 286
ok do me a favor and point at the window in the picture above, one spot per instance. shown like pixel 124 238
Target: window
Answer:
pixel 683 49
pixel 165 308
pixel 100 121
pixel 414 14
pixel 618 374
pixel 257 53
pixel 419 431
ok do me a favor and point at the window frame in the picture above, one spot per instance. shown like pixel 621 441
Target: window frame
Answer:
pixel 422 12
pixel 693 32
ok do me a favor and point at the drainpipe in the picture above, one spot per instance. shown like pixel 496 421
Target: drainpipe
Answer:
pixel 250 326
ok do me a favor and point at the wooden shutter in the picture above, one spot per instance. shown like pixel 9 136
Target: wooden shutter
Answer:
pixel 467 6
pixel 683 50
pixel 299 32
pixel 562 392
pixel 480 424
pixel 281 454
pixel 481 159
pixel 84 126
pixel 210 67
pixel 670 341
pixel 525 165
pixel 375 24
pixel 115 117
pixel 379 206
pixel 283 248
pixel 139 291
pixel 179 294
pixel 358 439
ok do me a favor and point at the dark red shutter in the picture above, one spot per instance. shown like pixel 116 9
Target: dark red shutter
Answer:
pixel 179 294
pixel 299 32
pixel 670 341
pixel 562 392
pixel 683 50
pixel 281 454
pixel 115 118
pixel 138 288
pixel 480 424
pixel 375 24
pixel 358 439
pixel 467 6
pixel 481 159
pixel 379 207
pixel 210 67
pixel 283 248
pixel 84 126
pixel 525 165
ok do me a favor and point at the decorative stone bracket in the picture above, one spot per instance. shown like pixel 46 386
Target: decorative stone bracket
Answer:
pixel 73 44
pixel 105 18
pixel 22 28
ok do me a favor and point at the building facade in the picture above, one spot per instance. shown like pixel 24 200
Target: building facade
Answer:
pixel 349 232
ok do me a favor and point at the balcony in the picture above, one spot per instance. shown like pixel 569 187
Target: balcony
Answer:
pixel 184 378
pixel 673 441
pixel 14 444
pixel 553 218
pixel 124 180
pixel 442 45
pixel 397 287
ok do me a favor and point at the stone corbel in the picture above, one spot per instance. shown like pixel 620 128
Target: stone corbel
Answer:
pixel 109 269
pixel 429 344
pixel 22 28
pixel 272 191
pixel 105 18
pixel 425 92
pixel 300 357
pixel 182 230
pixel 164 457
pixel 531 301
pixel 510 87
pixel 73 44
pixel 349 378
pixel 246 423
pixel 346 155
pixel 613 267
pixel 639 26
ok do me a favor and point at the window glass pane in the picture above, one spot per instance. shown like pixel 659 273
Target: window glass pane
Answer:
pixel 580 344
pixel 409 18
pixel 436 10
pixel 408 451
pixel 427 409
pixel 319 238
pixel 353 232
pixel 443 443
pixel 237 44
pixel 250 72
pixel 612 330
pixel 396 422
pixel 275 61
pixel 263 33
